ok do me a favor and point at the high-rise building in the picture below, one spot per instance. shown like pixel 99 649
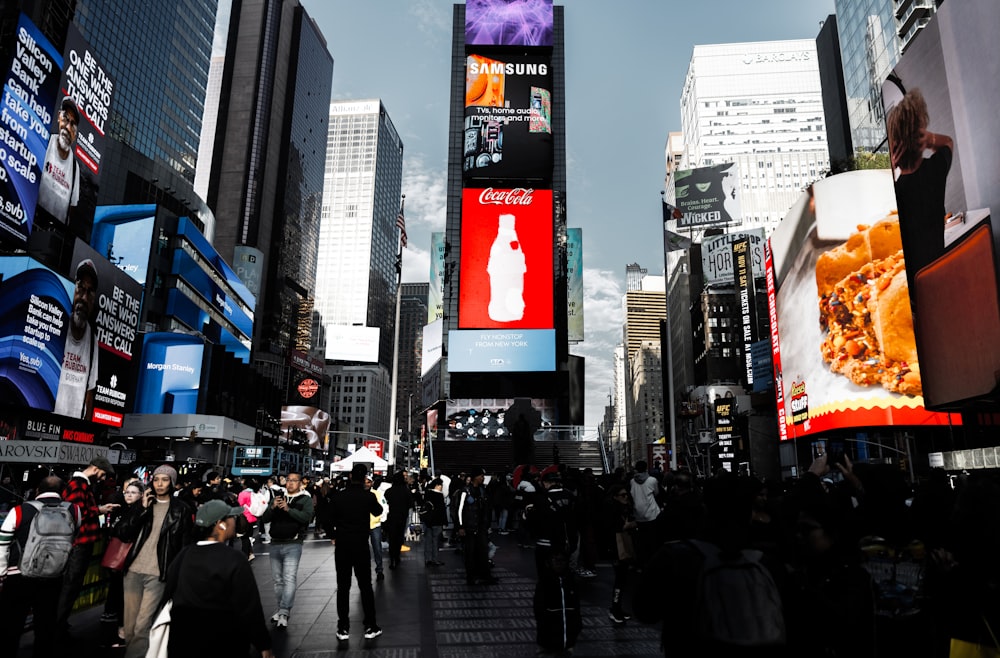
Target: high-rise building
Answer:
pixel 645 308
pixel 356 265
pixel 634 275
pixel 266 180
pixel 760 106
pixel 831 73
pixel 412 318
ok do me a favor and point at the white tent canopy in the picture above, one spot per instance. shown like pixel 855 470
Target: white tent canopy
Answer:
pixel 362 455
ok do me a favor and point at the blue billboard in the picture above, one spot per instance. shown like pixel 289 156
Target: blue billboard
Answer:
pixel 187 229
pixel 498 350
pixel 169 374
pixel 124 234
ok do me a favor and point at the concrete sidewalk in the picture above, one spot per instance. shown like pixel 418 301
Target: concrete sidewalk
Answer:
pixel 423 611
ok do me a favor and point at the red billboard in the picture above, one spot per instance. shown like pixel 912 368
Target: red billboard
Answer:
pixel 505 281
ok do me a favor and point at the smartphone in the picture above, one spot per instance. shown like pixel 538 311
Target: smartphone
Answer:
pixel 818 449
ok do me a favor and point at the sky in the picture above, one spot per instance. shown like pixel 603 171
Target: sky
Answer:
pixel 626 61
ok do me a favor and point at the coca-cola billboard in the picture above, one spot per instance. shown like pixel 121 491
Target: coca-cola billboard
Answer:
pixel 506 272
pixel 508 118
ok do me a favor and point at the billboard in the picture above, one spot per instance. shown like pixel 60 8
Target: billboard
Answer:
pixel 430 352
pixel 486 350
pixel 349 343
pixel 169 378
pixel 717 256
pixel 574 284
pixel 435 291
pixel 249 265
pixel 506 271
pixel 89 89
pixel 940 106
pixel 67 346
pixel 708 195
pixel 486 418
pixel 305 424
pixel 508 117
pixel 748 304
pixel 124 234
pixel 842 338
pixel 508 22
pixel 29 96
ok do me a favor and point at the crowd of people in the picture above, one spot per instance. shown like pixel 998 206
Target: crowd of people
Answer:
pixel 844 561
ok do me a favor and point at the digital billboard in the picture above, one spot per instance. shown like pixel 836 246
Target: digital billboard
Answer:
pixel 940 106
pixel 169 378
pixel 124 234
pixel 506 271
pixel 349 343
pixel 717 256
pixel 67 346
pixel 29 96
pixel 435 291
pixel 708 195
pixel 491 350
pixel 842 337
pixel 486 418
pixel 305 424
pixel 508 117
pixel 430 352
pixel 508 22
pixel 574 284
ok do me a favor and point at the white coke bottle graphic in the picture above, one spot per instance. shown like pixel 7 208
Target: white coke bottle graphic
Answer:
pixel 506 269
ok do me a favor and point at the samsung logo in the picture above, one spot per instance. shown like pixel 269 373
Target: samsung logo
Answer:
pixel 508 68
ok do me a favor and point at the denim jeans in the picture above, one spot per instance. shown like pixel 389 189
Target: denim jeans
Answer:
pixel 376 542
pixel 284 572
pixel 432 534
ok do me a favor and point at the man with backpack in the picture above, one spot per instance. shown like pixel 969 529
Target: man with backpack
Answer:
pixel 35 542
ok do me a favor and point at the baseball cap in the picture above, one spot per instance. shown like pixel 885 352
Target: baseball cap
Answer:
pixel 86 266
pixel 214 511
pixel 69 105
pixel 103 464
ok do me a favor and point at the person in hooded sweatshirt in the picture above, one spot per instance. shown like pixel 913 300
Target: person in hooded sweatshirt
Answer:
pixel 645 492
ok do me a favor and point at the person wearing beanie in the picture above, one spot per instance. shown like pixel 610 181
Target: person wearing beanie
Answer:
pixel 159 528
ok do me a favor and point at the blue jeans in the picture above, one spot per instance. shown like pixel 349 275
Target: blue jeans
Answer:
pixel 284 572
pixel 375 536
pixel 432 534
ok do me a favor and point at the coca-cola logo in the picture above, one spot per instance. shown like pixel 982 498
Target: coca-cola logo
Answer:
pixel 519 196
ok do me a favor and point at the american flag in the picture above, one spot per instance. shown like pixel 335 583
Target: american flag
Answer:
pixel 401 224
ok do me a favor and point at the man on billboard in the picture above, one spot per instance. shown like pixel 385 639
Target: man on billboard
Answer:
pixel 60 184
pixel 78 377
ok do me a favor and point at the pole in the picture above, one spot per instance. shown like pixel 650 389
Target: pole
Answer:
pixel 395 352
pixel 670 356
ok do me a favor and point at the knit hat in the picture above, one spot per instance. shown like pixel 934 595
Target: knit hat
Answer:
pixel 168 471
pixel 103 464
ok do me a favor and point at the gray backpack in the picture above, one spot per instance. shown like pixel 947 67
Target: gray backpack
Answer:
pixel 49 542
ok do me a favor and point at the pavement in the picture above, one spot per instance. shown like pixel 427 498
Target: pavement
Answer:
pixel 427 612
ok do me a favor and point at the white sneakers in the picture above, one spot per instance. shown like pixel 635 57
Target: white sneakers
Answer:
pixel 280 619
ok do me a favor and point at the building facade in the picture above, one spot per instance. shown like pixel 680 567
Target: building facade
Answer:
pixel 412 317
pixel 356 265
pixel 266 180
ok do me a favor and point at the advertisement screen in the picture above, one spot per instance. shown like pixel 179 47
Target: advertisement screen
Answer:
pixel 841 330
pixel 67 346
pixel 124 234
pixel 574 284
pixel 717 256
pixel 508 22
pixel 520 350
pixel 940 106
pixel 29 96
pixel 708 195
pixel 430 352
pixel 505 281
pixel 435 292
pixel 508 117
pixel 348 343
pixel 305 425
pixel 169 374
pixel 487 418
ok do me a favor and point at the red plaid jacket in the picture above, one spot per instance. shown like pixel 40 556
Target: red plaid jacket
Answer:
pixel 79 493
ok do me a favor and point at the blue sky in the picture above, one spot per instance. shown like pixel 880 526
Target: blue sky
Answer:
pixel 625 66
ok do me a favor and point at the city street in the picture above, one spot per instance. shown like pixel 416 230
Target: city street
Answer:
pixel 423 611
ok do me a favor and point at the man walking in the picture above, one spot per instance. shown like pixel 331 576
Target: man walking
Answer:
pixel 474 527
pixel 645 492
pixel 289 516
pixel 21 593
pixel 350 520
pixel 80 493
pixel 161 526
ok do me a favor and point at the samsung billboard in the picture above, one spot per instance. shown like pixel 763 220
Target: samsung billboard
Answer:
pixel 508 117
pixel 508 22
pixel 506 268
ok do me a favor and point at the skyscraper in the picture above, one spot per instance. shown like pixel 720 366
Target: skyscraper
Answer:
pixel 266 181
pixel 356 272
pixel 758 105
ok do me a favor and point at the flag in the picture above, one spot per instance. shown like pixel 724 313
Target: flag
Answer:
pixel 401 224
pixel 675 242
pixel 671 212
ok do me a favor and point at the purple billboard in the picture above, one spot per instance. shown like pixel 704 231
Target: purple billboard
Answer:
pixel 508 22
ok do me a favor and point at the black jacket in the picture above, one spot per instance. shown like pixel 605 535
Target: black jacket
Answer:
pixel 351 511
pixel 174 535
pixel 432 510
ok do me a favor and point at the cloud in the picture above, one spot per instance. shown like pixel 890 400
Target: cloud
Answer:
pixel 426 196
pixel 603 318
pixel 432 18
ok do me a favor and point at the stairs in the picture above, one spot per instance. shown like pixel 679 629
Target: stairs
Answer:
pixel 453 457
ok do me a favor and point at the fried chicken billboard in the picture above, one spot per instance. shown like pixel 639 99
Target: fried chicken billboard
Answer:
pixel 842 336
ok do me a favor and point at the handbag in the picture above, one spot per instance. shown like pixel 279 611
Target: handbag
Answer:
pixel 115 554
pixel 159 633
pixel 626 549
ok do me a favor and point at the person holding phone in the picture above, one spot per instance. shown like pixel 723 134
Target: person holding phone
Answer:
pixel 289 516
